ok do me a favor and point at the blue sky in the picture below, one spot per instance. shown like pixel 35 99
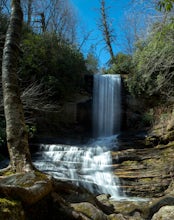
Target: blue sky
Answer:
pixel 88 14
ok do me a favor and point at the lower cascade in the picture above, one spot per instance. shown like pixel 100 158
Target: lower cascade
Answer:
pixel 90 165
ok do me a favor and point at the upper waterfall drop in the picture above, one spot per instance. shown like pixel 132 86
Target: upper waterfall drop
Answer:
pixel 106 104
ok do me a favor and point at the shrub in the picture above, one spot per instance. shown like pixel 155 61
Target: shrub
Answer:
pixel 56 63
pixel 154 65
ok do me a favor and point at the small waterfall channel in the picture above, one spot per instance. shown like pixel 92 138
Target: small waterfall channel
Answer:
pixel 90 165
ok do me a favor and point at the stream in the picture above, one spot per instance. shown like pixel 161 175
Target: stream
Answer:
pixel 88 165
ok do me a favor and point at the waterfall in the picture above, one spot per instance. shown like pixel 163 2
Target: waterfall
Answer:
pixel 106 105
pixel 90 165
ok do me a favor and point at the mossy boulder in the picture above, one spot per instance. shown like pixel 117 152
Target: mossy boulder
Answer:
pixel 152 140
pixel 116 217
pixel 11 210
pixel 89 211
pixel 26 187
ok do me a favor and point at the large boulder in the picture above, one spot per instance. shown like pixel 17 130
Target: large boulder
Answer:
pixel 26 187
pixel 89 211
pixel 165 213
pixel 158 203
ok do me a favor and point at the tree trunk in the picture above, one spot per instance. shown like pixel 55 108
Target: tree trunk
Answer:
pixel 107 33
pixel 29 12
pixel 17 136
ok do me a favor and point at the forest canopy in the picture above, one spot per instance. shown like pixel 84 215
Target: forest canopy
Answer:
pixel 52 63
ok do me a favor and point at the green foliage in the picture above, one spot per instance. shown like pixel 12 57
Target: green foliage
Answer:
pixel 32 129
pixel 148 118
pixel 92 63
pixel 53 61
pixel 165 5
pixel 11 209
pixel 153 65
pixel 122 64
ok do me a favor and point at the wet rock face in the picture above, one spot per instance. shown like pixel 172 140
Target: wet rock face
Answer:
pixel 144 171
pixel 73 119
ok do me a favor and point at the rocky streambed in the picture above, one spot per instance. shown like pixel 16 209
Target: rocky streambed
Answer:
pixel 146 173
pixel 145 169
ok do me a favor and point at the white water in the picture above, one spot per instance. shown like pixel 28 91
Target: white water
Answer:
pixel 90 165
pixel 106 105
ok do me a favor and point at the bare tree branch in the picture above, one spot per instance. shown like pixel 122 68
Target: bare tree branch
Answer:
pixel 105 27
pixel 35 97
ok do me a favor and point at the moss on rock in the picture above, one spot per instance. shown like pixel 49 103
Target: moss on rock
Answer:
pixel 89 211
pixel 11 210
pixel 169 136
pixel 26 187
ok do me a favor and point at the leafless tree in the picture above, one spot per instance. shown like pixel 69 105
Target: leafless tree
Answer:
pixel 105 25
pixel 55 16
pixel 5 6
pixel 35 97
pixel 27 6
pixel 150 10
pixel 138 22
pixel 62 19
pixel 134 27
